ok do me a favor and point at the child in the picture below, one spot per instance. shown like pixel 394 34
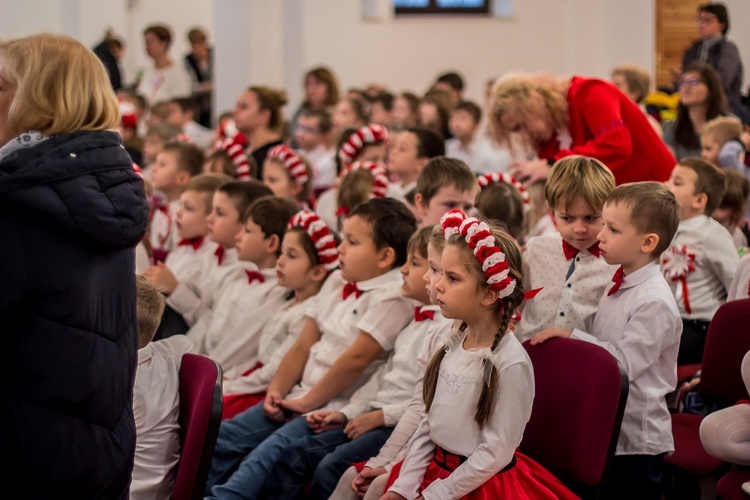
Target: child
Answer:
pixel 182 114
pixel 374 409
pixel 503 199
pixel 381 109
pixel 731 210
pixel 721 144
pixel 567 265
pixel 288 175
pixel 308 255
pixel 175 164
pixel 156 138
pixel 156 399
pixel 355 321
pixel 435 111
pixel 229 157
pixel 230 332
pixel 443 184
pixel 350 112
pixel 361 181
pixel 470 145
pixel 702 258
pixel 313 136
pixel 479 387
pixel 405 111
pixel 412 149
pixel 638 322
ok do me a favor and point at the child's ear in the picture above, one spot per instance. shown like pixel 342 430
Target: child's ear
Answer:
pixel 182 178
pixel 386 258
pixel 700 201
pixel 489 297
pixel 318 273
pixel 274 244
pixel 650 242
pixel 422 161
pixel 420 204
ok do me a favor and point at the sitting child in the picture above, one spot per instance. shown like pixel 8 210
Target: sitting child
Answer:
pixel 721 144
pixel 444 184
pixel 731 210
pixel 288 175
pixel 470 145
pixel 360 181
pixel 504 200
pixel 411 150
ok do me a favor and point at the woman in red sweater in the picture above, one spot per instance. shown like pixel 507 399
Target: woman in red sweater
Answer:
pixel 579 116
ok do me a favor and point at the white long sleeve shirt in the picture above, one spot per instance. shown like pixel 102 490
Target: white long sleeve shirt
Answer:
pixel 186 262
pixel 740 287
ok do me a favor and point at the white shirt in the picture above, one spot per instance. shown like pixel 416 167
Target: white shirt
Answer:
pixel 450 421
pixel 481 155
pixel 326 208
pixel 380 311
pixel 165 84
pixel 230 333
pixel 391 388
pixel 323 163
pixel 641 326
pixel 545 225
pixel 156 408
pixel 715 262
pixel 739 287
pixel 142 262
pixel 163 227
pixel 565 303
pixel 199 135
pixel 277 337
pixel 398 191
pixel 185 262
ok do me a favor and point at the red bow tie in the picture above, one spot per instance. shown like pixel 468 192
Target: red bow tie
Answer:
pixel 253 276
pixel 219 253
pixel 617 280
pixel 194 242
pixel 570 251
pixel 420 315
pixel 351 288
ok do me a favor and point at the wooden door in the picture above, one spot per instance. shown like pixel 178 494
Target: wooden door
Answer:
pixel 676 30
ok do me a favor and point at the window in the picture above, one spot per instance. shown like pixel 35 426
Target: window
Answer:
pixel 442 7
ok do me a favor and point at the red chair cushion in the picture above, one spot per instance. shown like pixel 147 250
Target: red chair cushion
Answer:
pixel 729 487
pixel 689 454
pixel 686 372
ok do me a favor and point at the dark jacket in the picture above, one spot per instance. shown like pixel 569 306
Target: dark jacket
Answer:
pixel 109 61
pixel 724 57
pixel 71 211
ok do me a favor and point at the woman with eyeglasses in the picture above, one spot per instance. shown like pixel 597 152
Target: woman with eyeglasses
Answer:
pixel 701 99
pixel 559 117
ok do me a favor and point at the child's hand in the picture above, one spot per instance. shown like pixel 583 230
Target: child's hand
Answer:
pixel 271 407
pixel 362 482
pixel 293 407
pixel 549 333
pixel 161 277
pixel 364 423
pixel 325 420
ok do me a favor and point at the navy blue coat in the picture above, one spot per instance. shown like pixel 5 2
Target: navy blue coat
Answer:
pixel 71 211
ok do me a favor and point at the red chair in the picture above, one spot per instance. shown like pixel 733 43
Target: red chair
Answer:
pixel 727 341
pixel 580 399
pixel 729 487
pixel 200 417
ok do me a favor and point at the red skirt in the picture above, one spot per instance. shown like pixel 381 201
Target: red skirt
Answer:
pixel 237 403
pixel 523 479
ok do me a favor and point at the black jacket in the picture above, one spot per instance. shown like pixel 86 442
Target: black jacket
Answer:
pixel 724 57
pixel 71 211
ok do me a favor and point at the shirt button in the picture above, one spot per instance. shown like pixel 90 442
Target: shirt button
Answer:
pixel 73 155
pixel 569 285
pixel 562 313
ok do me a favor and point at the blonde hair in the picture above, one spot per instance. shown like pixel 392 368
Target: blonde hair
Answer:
pixel 723 129
pixel 61 86
pixel 636 78
pixel 578 177
pixel 149 308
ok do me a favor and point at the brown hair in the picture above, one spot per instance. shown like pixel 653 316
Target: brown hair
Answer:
pixel 716 105
pixel 442 172
pixel 161 32
pixel 355 189
pixel 272 100
pixel 578 177
pixel 272 214
pixel 443 104
pixel 502 203
pixel 437 238
pixel 431 144
pixel 711 180
pixel 418 242
pixel 507 308
pixel 738 189
pixel 226 165
pixel 723 129
pixel 149 308
pixel 207 184
pixel 653 209
pixel 326 76
pixel 323 116
pixel 196 35
pixel 190 157
pixel 636 78
pixel 244 193
pixel 167 132
pixel 470 107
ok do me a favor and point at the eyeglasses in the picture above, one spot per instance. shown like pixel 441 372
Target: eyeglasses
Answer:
pixel 708 19
pixel 307 130
pixel 690 82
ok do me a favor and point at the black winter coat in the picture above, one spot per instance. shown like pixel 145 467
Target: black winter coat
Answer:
pixel 71 211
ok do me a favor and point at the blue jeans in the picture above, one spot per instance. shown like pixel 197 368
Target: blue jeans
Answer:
pixel 328 454
pixel 255 443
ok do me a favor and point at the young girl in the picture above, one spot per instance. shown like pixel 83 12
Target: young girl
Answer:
pixel 308 254
pixel 360 181
pixel 480 382
pixel 288 175
pixel 503 199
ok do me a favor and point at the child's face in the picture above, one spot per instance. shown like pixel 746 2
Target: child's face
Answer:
pixel 374 152
pixel 344 116
pixel 434 272
pixel 682 183
pixel 251 243
pixel 307 133
pixel 620 241
pixel 403 156
pixel 578 223
pixel 177 116
pixel 294 267
pixel 413 272
pixel 462 125
pixel 446 198
pixel 359 259
pixel 224 220
pixel 457 293
pixel 275 176
pixel 402 115
pixel 165 173
pixel 191 218
pixel 380 115
pixel 151 147
pixel 428 114
pixel 710 148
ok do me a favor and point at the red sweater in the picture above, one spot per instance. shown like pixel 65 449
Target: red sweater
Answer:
pixel 606 125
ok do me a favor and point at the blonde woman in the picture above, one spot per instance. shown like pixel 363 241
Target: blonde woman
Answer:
pixel 72 210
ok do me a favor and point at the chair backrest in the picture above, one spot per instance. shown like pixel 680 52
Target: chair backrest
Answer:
pixel 578 406
pixel 727 342
pixel 200 417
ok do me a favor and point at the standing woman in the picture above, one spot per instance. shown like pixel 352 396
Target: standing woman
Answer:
pixel 321 93
pixel 577 116
pixel 72 210
pixel 165 80
pixel 257 116
pixel 199 64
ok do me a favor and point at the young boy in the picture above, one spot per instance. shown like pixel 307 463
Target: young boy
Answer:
pixel 567 265
pixel 721 144
pixel 357 431
pixel 381 109
pixel 182 114
pixel 230 332
pixel 357 318
pixel 702 258
pixel 638 322
pixel 410 152
pixel 731 210
pixel 443 184
pixel 175 165
pixel 313 136
pixel 154 140
pixel 156 399
pixel 471 145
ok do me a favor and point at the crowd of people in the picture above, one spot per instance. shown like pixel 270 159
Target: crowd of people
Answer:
pixel 365 272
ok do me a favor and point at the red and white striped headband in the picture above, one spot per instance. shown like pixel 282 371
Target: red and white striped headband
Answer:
pixel 380 178
pixel 498 178
pixel 369 134
pixel 321 236
pixel 291 161
pixel 235 148
pixel 482 242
